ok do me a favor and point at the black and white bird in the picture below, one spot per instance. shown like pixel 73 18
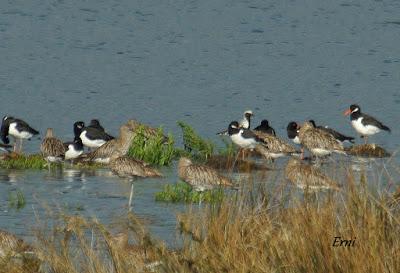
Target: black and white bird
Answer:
pixel 18 129
pixel 73 149
pixel 339 137
pixel 242 137
pixel 95 123
pixel 244 123
pixel 364 124
pixel 265 128
pixel 293 132
pixel 91 137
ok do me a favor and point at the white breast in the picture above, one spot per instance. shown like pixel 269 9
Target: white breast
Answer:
pixel 243 142
pixel 15 133
pixel 71 153
pixel 244 123
pixel 296 140
pixel 89 142
pixel 362 129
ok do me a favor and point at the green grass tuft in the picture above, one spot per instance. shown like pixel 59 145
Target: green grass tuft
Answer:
pixel 154 150
pixel 182 192
pixel 24 162
pixel 196 146
pixel 16 200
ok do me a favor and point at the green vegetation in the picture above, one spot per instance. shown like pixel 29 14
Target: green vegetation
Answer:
pixel 155 150
pixel 16 199
pixel 182 192
pixel 23 162
pixel 198 148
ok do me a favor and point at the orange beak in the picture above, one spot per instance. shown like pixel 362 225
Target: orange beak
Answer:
pixel 347 112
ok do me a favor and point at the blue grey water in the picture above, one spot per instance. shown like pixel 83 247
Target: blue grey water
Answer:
pixel 203 62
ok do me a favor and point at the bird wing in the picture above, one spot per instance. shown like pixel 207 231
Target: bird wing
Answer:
pixel 275 144
pixel 104 151
pixel 368 120
pixel 204 175
pixel 336 134
pixel 317 138
pixel 23 126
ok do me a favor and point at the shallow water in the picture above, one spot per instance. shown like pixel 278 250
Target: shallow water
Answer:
pixel 203 62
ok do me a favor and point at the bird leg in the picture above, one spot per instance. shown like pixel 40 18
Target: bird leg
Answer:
pixel 130 198
pixel 302 153
pixel 20 145
pixel 15 145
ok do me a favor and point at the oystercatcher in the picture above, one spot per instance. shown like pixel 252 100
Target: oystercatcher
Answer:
pixel 18 129
pixel 244 123
pixel 91 137
pixel 293 132
pixel 265 128
pixel 73 149
pixel 242 137
pixel 364 124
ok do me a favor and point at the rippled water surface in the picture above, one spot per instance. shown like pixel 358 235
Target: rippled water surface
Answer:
pixel 203 62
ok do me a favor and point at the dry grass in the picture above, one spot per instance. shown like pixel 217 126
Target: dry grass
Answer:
pixel 282 231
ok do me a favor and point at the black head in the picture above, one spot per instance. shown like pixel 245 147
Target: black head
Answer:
pixel 7 118
pixel 355 108
pixel 78 127
pixel 265 123
pixel 95 122
pixel 293 126
pixel 313 123
pixel 233 128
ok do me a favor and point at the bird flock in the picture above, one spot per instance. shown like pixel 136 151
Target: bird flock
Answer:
pixel 102 147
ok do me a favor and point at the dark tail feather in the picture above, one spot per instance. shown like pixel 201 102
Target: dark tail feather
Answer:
pixel 33 131
pixel 350 139
pixel 384 127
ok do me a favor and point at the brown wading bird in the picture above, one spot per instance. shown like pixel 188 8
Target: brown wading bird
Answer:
pixel 128 167
pixel 275 148
pixel 118 146
pixel 200 177
pixel 52 148
pixel 319 142
pixel 148 131
pixel 309 177
pixel 10 245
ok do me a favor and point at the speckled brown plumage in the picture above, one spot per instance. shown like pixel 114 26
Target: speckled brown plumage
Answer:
pixel 368 150
pixel 317 141
pixel 118 146
pixel 11 245
pixel 201 177
pixel 52 148
pixel 125 166
pixel 275 146
pixel 306 176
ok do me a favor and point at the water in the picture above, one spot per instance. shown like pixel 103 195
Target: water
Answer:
pixel 203 62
